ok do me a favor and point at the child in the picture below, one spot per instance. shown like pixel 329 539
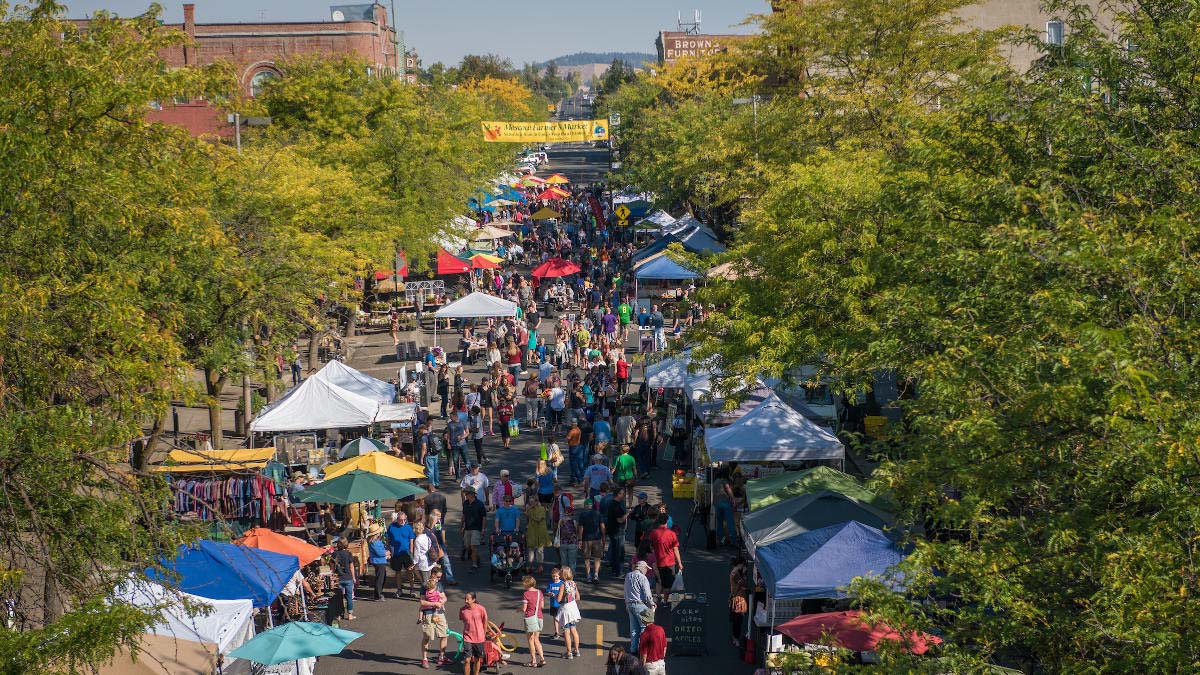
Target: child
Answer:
pixel 432 595
pixel 552 591
pixel 646 552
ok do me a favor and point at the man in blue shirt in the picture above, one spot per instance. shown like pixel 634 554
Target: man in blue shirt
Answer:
pixel 508 517
pixel 545 370
pixel 602 431
pixel 399 536
pixel 591 541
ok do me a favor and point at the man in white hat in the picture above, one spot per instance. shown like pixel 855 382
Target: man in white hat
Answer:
pixel 639 599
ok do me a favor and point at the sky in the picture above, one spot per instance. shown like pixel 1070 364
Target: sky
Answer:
pixel 446 30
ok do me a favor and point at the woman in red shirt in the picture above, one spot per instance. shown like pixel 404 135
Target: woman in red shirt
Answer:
pixel 622 375
pixel 504 411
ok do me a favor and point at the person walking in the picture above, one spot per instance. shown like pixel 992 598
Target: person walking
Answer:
pixel 657 322
pixel 614 528
pixel 443 386
pixel 591 532
pixel 537 535
pixel 576 452
pixel 532 602
pixel 400 536
pixel 475 431
pixel 456 437
pixel 434 525
pixel 474 516
pixel 504 412
pixel 343 564
pixel 297 370
pixel 377 556
pixel 596 475
pixel 625 471
pixel 475 620
pixel 566 538
pixel 432 617
pixel 639 600
pixel 665 544
pixel 652 648
pixel 568 613
pixel 429 448
pixel 424 551
pixel 476 480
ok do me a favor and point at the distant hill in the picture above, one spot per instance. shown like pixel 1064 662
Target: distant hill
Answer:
pixel 635 59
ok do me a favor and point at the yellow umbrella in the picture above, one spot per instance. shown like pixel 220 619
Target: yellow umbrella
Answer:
pixel 545 213
pixel 557 179
pixel 377 462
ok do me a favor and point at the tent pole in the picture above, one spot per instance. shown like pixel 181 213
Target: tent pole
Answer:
pixel 303 601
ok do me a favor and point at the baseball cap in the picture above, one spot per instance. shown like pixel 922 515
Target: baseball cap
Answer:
pixel 469 490
pixel 503 472
pixel 642 565
pixel 647 615
pixel 472 465
pixel 642 495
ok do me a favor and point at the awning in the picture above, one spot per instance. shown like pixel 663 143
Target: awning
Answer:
pixel 805 513
pixel 447 263
pixel 185 461
pixel 772 432
pixel 477 305
pixel 822 563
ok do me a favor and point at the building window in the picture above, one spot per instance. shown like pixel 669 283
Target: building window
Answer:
pixel 1054 32
pixel 260 79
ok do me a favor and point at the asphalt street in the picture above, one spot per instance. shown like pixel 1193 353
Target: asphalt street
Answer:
pixel 391 639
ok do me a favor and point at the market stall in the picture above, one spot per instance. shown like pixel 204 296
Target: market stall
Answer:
pixel 316 404
pixel 851 630
pixel 476 306
pixel 773 432
pixel 768 490
pixel 342 375
pixel 219 571
pixel 805 514
pixel 821 563
pixel 192 634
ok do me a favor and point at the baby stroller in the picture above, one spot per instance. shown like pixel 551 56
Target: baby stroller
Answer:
pixel 508 556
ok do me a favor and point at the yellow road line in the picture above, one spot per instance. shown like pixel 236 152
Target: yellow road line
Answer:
pixel 599 640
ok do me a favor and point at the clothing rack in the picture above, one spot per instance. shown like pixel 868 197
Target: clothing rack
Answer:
pixel 238 496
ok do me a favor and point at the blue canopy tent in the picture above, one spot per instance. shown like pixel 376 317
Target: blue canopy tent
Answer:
pixel 821 563
pixel 700 239
pixel 657 246
pixel 663 267
pixel 219 571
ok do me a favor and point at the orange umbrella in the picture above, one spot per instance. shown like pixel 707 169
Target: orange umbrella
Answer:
pixel 267 540
pixel 482 261
pixel 557 179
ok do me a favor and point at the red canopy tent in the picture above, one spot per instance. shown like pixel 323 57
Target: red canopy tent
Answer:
pixel 448 263
pixel 555 267
pixel 552 194
pixel 850 630
pixel 483 262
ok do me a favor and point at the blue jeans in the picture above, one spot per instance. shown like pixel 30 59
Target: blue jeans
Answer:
pixel 348 592
pixel 578 462
pixel 725 518
pixel 616 552
pixel 635 625
pixel 458 459
pixel 445 563
pixel 431 470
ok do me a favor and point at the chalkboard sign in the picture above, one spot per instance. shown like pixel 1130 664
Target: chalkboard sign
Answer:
pixel 687 626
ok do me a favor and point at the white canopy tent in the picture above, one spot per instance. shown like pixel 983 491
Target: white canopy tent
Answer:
pixel 341 375
pixel 317 404
pixel 477 305
pixel 182 640
pixel 772 432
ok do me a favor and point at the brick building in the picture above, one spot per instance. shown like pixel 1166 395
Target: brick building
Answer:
pixel 254 49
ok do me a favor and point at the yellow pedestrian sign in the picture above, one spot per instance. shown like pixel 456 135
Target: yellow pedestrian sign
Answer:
pixel 622 212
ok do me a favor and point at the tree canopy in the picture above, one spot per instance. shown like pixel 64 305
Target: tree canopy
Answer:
pixel 1017 248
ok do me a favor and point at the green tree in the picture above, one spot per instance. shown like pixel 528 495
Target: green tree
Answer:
pixel 100 211
pixel 478 67
pixel 1017 248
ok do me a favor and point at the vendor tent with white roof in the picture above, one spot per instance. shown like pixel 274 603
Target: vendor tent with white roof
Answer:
pixel 339 374
pixel 477 305
pixel 774 431
pixel 317 404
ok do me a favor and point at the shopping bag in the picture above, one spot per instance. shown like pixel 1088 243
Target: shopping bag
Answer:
pixel 677 586
pixel 514 429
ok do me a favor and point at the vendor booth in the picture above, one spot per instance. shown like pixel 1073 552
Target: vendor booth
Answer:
pixel 773 431
pixel 768 490
pixel 477 305
pixel 192 635
pixel 850 630
pixel 805 514
pixel 316 404
pixel 219 571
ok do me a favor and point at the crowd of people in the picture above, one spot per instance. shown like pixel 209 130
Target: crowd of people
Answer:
pixel 580 518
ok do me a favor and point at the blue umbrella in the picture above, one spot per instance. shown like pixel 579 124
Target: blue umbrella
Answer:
pixel 294 641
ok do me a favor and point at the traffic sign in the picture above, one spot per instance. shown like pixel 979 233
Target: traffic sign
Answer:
pixel 623 222
pixel 614 120
pixel 622 212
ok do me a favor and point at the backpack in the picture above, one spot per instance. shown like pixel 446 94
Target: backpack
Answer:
pixel 434 554
pixel 435 444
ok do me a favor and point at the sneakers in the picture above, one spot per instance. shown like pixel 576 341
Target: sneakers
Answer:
pixel 570 655
pixel 578 654
pixel 444 660
pixel 425 664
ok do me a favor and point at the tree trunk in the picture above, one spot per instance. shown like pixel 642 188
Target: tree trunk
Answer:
pixel 51 603
pixel 213 384
pixel 352 321
pixel 314 350
pixel 141 458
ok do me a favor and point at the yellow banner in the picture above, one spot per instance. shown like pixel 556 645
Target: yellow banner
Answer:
pixel 545 132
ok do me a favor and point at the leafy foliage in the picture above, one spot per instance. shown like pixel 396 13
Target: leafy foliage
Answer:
pixel 1018 248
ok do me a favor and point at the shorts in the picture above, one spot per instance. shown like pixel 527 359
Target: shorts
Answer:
pixel 546 498
pixel 472 537
pixel 533 624
pixel 667 576
pixel 434 626
pixel 593 549
pixel 400 561
pixel 629 483
pixel 504 428
pixel 473 650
